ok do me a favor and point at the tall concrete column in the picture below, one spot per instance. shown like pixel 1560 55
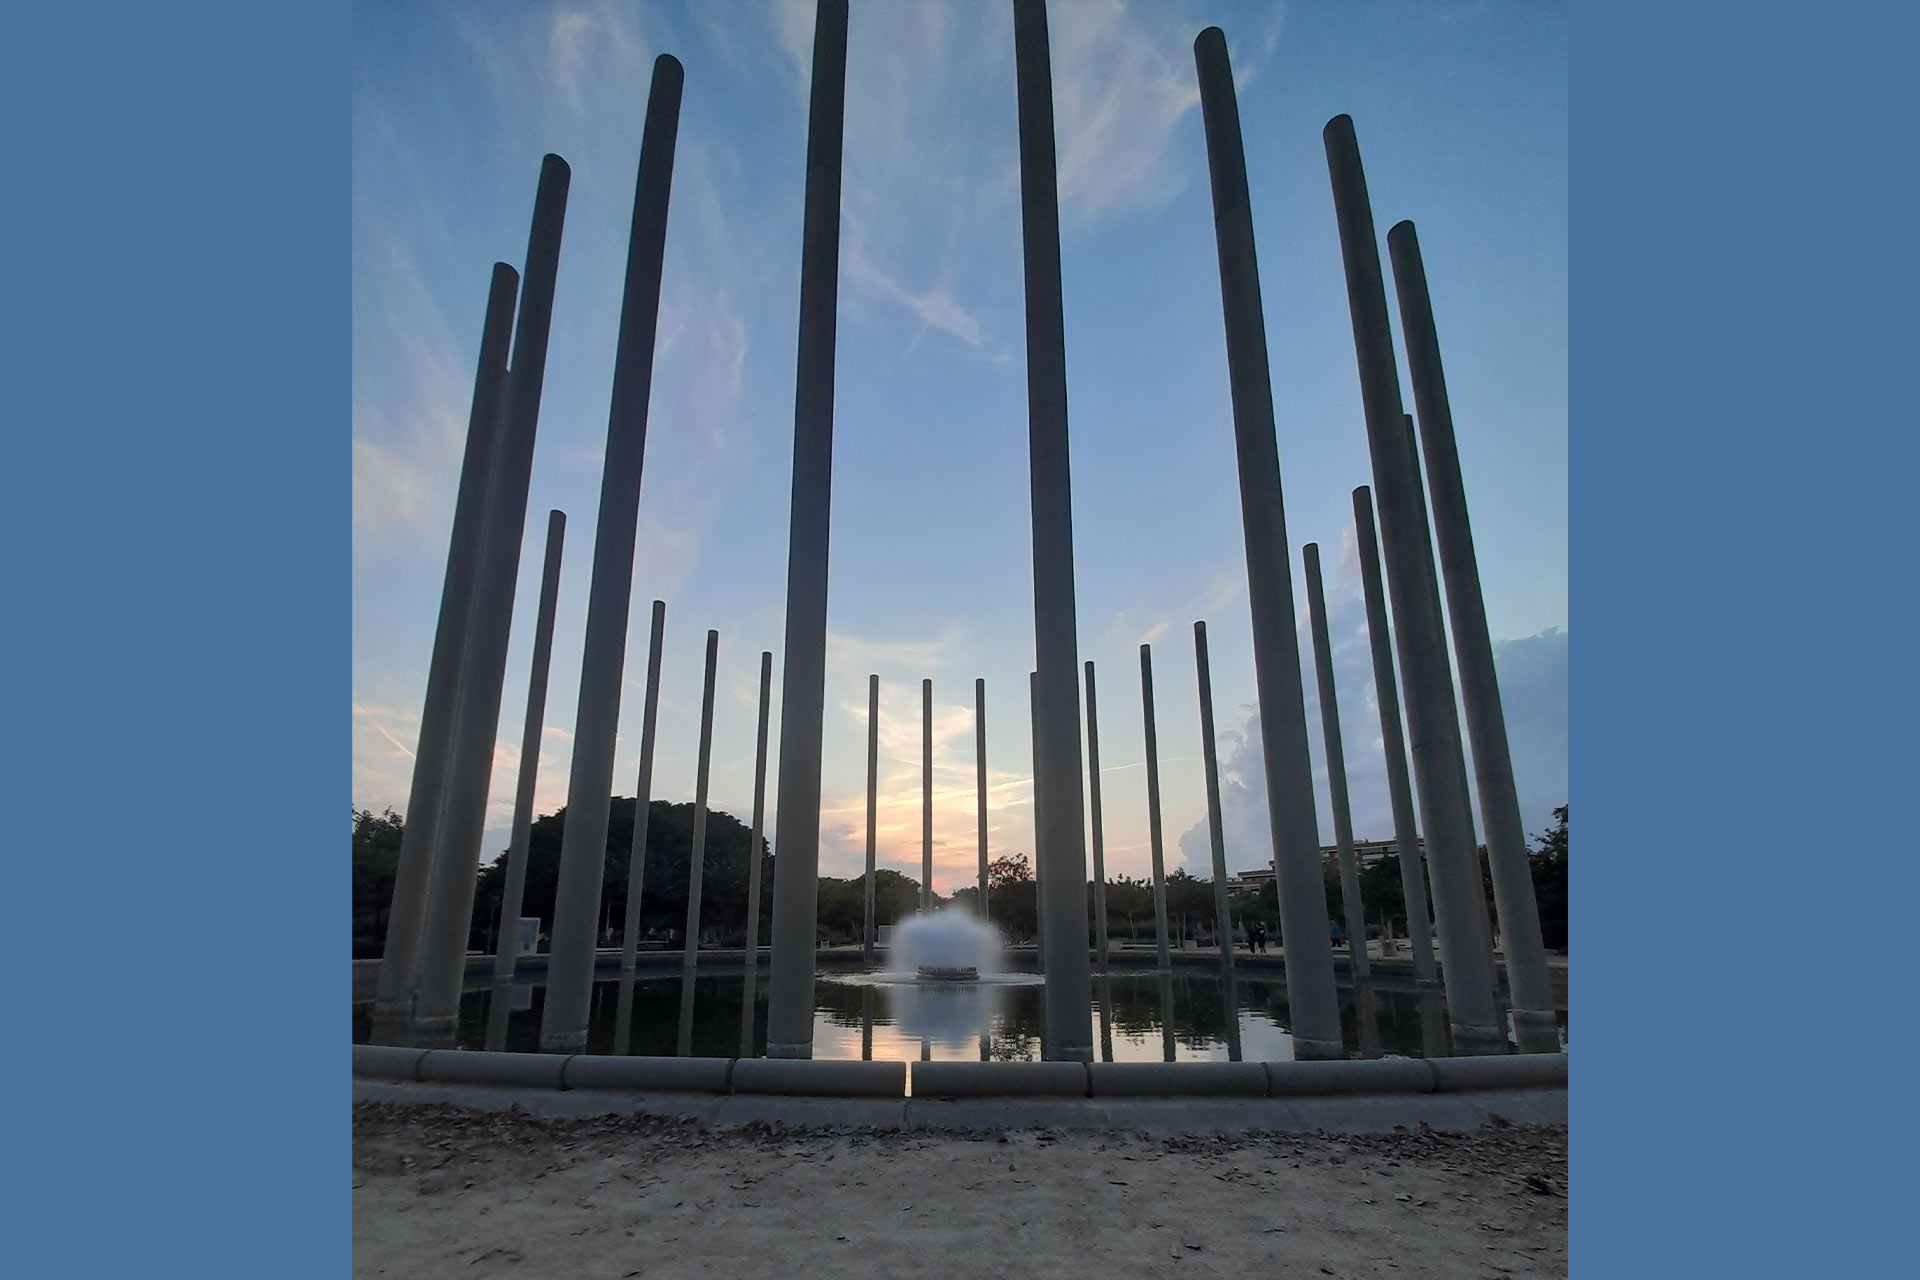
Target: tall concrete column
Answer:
pixel 506 946
pixel 1153 812
pixel 683 1043
pixel 407 914
pixel 1386 694
pixel 796 838
pixel 697 856
pixel 980 781
pixel 623 1016
pixel 583 843
pixel 1367 1013
pixel 1482 914
pixel 1311 995
pixel 463 807
pixel 1106 1017
pixel 643 793
pixel 1093 808
pixel 1067 1030
pixel 1168 1042
pixel 1230 996
pixel 926 796
pixel 1524 951
pixel 1039 826
pixel 1216 832
pixel 753 847
pixel 1336 768
pixel 1438 767
pixel 873 802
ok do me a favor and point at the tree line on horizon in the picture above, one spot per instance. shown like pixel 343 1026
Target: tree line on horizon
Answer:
pixel 1011 891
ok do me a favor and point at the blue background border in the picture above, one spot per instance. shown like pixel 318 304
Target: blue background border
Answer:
pixel 1743 450
pixel 178 511
pixel 1742 574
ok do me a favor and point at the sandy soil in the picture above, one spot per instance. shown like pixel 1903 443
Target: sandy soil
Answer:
pixel 439 1191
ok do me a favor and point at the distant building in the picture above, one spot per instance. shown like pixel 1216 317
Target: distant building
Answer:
pixel 1367 852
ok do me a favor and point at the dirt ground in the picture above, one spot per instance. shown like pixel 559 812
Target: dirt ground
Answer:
pixel 440 1191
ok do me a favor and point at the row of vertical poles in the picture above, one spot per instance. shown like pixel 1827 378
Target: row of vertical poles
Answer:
pixel 980 784
pixel 1336 768
pixel 1406 837
pixel 506 945
pixel 1161 957
pixel 643 793
pixel 697 857
pixel 803 671
pixel 926 796
pixel 583 845
pixel 427 960
pixel 1067 1029
pixel 1438 762
pixel 1093 809
pixel 434 884
pixel 1312 999
pixel 1039 825
pixel 1216 832
pixel 1523 947
pixel 393 1002
pixel 873 803
pixel 751 960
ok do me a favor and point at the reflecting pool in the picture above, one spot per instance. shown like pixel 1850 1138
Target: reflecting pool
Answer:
pixel 1139 1015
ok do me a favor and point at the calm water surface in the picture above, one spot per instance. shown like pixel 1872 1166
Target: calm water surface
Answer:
pixel 1138 1016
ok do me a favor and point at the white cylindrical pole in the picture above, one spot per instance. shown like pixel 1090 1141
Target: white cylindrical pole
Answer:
pixel 643 794
pixel 697 855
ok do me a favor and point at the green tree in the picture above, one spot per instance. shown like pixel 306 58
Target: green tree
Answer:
pixel 1549 865
pixel 841 909
pixel 376 856
pixel 663 899
pixel 1013 901
pixel 1383 893
pixel 1189 904
pixel 1130 900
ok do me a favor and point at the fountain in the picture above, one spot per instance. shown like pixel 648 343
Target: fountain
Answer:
pixel 945 946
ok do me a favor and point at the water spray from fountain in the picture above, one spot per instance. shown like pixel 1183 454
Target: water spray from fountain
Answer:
pixel 945 946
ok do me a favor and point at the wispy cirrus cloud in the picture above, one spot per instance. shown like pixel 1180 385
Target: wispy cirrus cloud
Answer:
pixel 406 459
pixel 1119 89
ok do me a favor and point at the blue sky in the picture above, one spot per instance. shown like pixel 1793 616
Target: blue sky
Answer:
pixel 1461 114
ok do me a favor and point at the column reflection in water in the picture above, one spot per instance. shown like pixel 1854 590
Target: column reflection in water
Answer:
pixel 1367 1012
pixel 1106 1018
pixel 1230 995
pixel 1166 1014
pixel 499 1005
pixel 926 1049
pixel 866 1024
pixel 684 1047
pixel 749 991
pixel 623 1016
pixel 986 1048
pixel 1433 1024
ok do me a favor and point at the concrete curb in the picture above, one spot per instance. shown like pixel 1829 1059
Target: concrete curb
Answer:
pixel 465 1066
pixel 999 1079
pixel 1176 1080
pixel 820 1077
pixel 1375 1075
pixel 832 1078
pixel 1352 1113
pixel 387 1062
pixel 1514 1071
pixel 649 1075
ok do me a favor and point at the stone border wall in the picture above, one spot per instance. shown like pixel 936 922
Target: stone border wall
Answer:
pixel 825 1078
